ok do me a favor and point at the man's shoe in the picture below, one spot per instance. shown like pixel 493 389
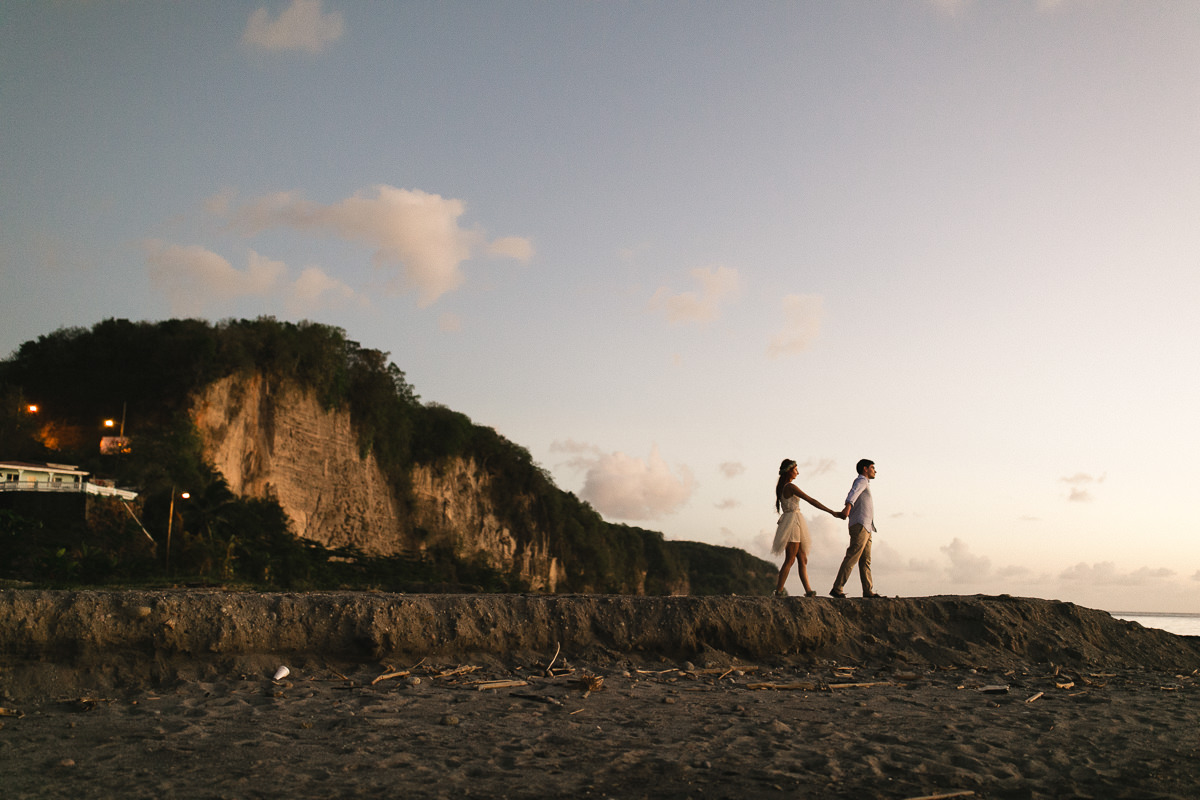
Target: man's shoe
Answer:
pixel 873 594
pixel 837 594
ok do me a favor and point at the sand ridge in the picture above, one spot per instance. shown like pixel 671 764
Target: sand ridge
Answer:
pixel 171 695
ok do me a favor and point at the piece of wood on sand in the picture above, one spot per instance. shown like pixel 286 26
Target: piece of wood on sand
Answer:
pixel 550 666
pixel 859 685
pixel 387 676
pixel 501 684
pixel 997 689
pixel 944 795
pixel 801 686
pixel 1035 697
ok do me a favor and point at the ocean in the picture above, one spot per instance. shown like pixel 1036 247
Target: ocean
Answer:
pixel 1183 624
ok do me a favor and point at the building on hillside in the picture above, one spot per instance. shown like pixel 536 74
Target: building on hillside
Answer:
pixel 27 476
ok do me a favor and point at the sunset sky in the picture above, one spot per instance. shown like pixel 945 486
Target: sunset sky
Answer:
pixel 664 245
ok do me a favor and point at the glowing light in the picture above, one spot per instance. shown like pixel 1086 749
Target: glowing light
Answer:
pixel 108 423
pixel 32 408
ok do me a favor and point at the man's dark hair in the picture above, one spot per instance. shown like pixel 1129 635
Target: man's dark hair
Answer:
pixel 862 465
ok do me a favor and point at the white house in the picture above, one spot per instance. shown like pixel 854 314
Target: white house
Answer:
pixel 26 476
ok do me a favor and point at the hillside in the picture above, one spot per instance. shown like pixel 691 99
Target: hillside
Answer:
pixel 309 462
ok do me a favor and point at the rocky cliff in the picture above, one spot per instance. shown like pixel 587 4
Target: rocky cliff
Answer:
pixel 276 440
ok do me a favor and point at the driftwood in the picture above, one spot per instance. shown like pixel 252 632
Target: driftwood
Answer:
pixel 540 698
pixel 500 684
pixel 550 666
pixel 946 796
pixel 806 687
pixel 1035 697
pixel 861 685
pixel 389 675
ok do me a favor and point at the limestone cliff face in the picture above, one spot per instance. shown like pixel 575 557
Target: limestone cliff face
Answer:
pixel 453 504
pixel 277 441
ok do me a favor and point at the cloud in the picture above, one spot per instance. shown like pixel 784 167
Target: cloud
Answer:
pixel 515 247
pixel 314 291
pixel 716 285
pixel 731 469
pixel 964 567
pixel 802 325
pixel 300 26
pixel 412 230
pixel 1077 482
pixel 819 466
pixel 573 447
pixel 193 277
pixel 727 504
pixel 1105 573
pixel 624 487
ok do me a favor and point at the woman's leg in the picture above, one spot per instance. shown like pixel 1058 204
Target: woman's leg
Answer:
pixel 789 556
pixel 802 569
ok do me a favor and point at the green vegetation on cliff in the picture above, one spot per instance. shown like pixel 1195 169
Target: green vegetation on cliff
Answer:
pixel 146 375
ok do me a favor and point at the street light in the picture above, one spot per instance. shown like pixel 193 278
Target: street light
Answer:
pixel 170 520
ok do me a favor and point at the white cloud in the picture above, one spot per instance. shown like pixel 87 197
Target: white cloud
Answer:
pixel 624 487
pixel 802 325
pixel 193 277
pixel 516 247
pixel 413 230
pixel 573 447
pixel 300 26
pixel 731 469
pixel 314 291
pixel 817 466
pixel 1077 482
pixel 965 567
pixel 728 504
pixel 716 285
pixel 1105 573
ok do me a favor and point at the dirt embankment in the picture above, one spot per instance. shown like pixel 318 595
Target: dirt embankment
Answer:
pixel 154 635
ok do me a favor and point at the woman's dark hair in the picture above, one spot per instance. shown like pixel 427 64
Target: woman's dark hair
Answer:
pixel 784 468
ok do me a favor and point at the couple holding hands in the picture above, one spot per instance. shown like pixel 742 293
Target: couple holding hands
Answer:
pixel 792 539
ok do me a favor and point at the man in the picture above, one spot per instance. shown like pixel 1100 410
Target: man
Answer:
pixel 860 512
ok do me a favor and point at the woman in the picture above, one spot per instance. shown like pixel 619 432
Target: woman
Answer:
pixel 791 537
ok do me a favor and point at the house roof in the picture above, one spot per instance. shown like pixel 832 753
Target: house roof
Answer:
pixel 69 469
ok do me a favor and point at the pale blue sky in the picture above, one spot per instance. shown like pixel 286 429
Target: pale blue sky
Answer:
pixel 666 245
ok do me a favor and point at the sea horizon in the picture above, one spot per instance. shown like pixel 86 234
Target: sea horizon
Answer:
pixel 1177 623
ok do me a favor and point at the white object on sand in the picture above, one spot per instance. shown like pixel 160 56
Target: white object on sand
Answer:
pixel 281 673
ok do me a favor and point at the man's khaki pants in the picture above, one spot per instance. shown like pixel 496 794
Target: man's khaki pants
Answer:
pixel 858 551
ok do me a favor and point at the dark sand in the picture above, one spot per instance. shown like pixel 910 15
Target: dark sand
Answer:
pixel 170 695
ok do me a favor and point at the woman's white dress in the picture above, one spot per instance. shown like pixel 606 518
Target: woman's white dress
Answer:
pixel 792 527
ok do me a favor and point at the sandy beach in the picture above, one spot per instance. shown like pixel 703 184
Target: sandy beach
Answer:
pixel 173 694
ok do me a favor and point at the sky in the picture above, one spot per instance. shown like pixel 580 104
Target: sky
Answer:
pixel 666 245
